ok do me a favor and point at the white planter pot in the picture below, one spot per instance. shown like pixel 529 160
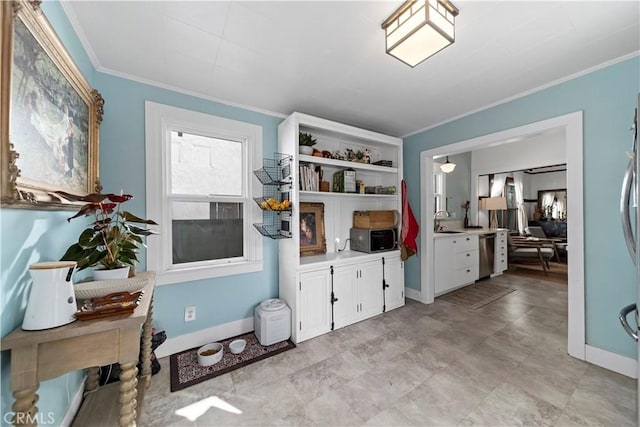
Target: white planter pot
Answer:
pixel 116 273
pixel 306 150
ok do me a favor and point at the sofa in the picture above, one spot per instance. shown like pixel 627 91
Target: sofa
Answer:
pixel 552 229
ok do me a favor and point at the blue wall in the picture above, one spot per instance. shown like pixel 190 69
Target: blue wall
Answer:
pixel 30 236
pixel 122 160
pixel 607 97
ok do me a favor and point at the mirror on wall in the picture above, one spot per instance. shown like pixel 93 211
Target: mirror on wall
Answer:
pixel 552 204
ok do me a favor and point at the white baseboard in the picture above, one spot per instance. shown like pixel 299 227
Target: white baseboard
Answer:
pixel 74 407
pixel 413 294
pixel 215 333
pixel 612 361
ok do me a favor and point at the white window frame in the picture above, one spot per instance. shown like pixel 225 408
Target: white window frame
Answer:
pixel 159 121
pixel 441 197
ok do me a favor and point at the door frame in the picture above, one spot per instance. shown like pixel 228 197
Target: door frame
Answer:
pixel 572 125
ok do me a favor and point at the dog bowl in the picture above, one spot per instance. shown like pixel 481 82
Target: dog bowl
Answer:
pixel 210 354
pixel 237 346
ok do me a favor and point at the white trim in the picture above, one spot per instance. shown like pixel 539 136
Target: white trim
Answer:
pixel 529 92
pixel 204 336
pixel 159 118
pixel 412 294
pixel 614 362
pixel 74 407
pixel 572 123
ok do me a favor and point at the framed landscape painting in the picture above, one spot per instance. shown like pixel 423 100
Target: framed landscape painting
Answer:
pixel 50 116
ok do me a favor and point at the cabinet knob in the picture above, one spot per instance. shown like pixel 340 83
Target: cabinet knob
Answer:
pixel 468 254
pixel 467 239
pixel 468 271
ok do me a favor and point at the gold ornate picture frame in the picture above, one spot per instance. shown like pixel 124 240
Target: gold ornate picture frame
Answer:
pixel 312 238
pixel 49 115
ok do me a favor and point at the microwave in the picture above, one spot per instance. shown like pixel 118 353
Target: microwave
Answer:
pixel 370 241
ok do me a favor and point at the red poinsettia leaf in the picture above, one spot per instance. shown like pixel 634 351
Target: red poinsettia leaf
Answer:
pixel 120 198
pixel 85 210
pixel 108 207
pixel 91 198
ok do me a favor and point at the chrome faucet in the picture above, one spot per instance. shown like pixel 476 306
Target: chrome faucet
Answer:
pixel 436 220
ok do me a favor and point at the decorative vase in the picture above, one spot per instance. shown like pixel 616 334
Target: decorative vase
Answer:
pixel 306 150
pixel 116 273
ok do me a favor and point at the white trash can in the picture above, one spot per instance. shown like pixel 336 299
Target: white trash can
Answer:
pixel 272 321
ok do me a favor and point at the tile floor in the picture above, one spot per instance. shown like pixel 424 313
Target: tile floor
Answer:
pixel 504 364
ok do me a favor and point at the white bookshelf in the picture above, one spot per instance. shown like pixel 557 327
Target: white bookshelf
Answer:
pixel 338 218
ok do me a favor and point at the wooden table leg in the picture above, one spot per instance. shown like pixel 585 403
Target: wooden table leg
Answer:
pixel 145 354
pixel 24 407
pixel 128 394
pixel 93 380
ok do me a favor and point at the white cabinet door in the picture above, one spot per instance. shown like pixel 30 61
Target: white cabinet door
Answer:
pixel 314 308
pixel 370 288
pixel 346 309
pixel 500 253
pixel 456 262
pixel 444 253
pixel 394 282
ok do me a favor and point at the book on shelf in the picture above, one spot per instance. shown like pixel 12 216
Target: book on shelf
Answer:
pixel 309 178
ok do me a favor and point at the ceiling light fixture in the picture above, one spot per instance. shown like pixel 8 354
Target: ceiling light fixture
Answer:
pixel 419 29
pixel 448 166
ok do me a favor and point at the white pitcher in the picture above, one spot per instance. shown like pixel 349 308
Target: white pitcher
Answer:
pixel 52 301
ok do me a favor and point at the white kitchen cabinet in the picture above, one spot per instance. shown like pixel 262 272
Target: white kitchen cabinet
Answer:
pixel 394 282
pixel 358 290
pixel 370 288
pixel 313 305
pixel 346 306
pixel 385 178
pixel 456 262
pixel 500 253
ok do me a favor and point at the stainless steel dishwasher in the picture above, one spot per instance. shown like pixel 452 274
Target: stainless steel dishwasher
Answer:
pixel 487 245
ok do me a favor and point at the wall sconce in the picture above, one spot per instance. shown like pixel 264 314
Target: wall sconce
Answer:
pixel 448 166
pixel 419 29
pixel 493 204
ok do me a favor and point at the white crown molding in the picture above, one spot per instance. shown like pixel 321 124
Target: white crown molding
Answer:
pixel 77 28
pixel 529 92
pixel 75 24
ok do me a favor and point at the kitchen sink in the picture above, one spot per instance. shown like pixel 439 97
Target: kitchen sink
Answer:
pixel 450 232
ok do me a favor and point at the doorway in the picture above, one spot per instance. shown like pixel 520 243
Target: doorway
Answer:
pixel 571 124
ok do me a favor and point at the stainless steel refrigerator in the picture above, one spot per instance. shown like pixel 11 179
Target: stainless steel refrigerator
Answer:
pixel 631 227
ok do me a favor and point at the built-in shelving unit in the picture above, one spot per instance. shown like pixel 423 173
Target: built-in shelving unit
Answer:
pixel 276 179
pixel 363 284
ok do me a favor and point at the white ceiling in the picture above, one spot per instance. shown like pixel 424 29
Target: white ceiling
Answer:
pixel 327 58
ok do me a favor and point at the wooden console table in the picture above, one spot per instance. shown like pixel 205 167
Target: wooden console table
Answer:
pixel 41 355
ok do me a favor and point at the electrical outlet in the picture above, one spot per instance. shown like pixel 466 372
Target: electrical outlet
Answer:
pixel 189 314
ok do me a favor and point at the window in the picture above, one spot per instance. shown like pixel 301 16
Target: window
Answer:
pixel 200 190
pixel 439 189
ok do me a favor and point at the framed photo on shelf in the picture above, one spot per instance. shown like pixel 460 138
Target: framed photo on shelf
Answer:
pixel 312 238
pixel 50 116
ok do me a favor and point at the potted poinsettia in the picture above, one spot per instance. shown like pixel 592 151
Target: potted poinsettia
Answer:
pixel 112 240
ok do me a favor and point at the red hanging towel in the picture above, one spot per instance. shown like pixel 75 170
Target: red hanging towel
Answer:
pixel 410 227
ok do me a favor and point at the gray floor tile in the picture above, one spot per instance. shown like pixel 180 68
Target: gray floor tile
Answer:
pixel 504 364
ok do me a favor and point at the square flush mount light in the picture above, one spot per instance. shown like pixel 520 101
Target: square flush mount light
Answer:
pixel 419 29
